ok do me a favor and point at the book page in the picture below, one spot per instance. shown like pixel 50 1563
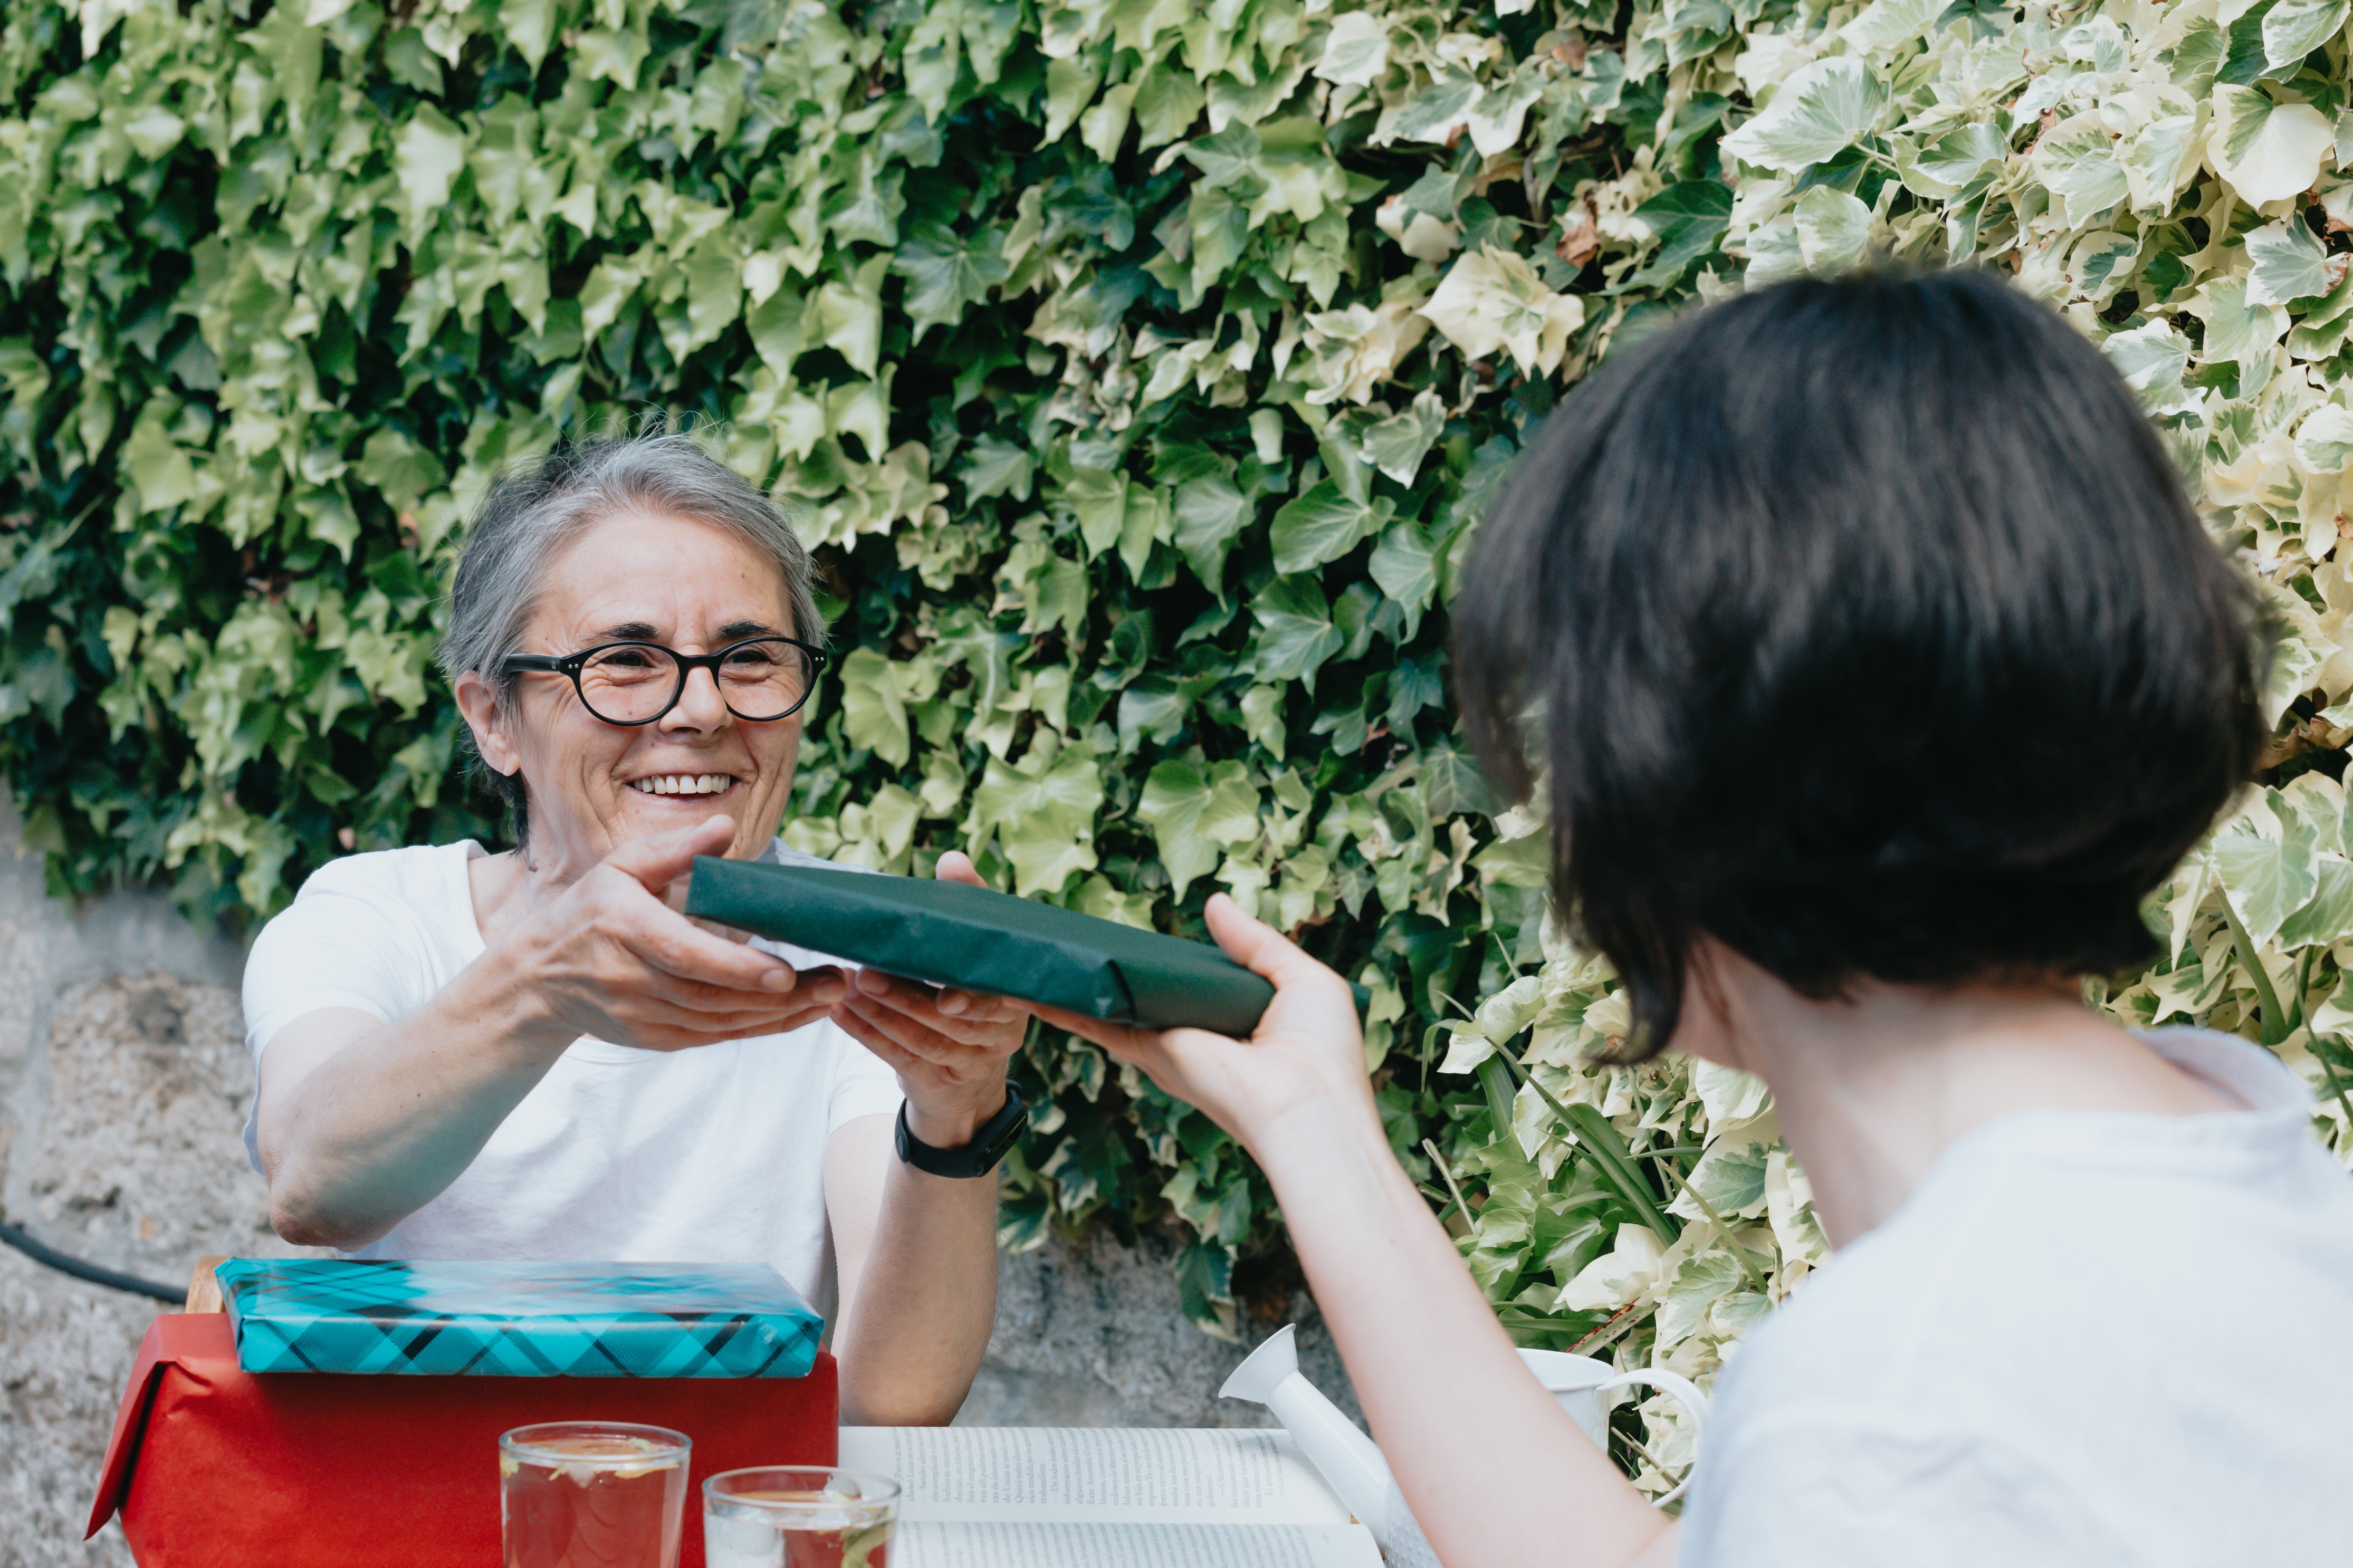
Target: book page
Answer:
pixel 943 1544
pixel 1088 1474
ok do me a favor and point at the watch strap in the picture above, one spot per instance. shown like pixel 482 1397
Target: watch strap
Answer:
pixel 990 1143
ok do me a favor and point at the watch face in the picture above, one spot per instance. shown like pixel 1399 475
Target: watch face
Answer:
pixel 978 1158
pixel 1004 1141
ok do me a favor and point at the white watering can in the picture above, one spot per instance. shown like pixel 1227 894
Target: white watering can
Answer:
pixel 1352 1464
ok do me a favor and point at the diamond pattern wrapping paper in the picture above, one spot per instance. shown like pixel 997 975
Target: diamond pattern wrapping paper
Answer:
pixel 518 1320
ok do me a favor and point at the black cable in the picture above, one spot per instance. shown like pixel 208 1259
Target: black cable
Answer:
pixel 90 1271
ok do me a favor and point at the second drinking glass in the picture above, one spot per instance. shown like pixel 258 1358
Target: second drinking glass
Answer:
pixel 798 1516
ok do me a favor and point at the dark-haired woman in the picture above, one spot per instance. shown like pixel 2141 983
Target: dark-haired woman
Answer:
pixel 1884 669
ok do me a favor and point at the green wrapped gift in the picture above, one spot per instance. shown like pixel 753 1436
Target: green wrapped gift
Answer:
pixel 952 934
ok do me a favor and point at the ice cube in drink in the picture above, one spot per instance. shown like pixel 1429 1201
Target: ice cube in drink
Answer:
pixel 797 1517
pixel 813 1536
pixel 580 1496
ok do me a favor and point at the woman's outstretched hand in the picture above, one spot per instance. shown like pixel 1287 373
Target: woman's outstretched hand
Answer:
pixel 1306 1053
pixel 611 958
pixel 1448 1399
pixel 950 1048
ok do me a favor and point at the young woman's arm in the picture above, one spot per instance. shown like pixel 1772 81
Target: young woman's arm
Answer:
pixel 1495 1472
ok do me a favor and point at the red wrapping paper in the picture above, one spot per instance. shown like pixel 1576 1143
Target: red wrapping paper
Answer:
pixel 213 1467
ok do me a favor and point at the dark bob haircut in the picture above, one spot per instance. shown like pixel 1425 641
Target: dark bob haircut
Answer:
pixel 1868 631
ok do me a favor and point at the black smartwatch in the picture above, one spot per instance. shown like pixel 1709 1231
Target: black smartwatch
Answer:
pixel 978 1158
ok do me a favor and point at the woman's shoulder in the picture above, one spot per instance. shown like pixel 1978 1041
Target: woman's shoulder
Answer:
pixel 394 866
pixel 2025 1260
pixel 380 931
pixel 2032 1372
pixel 405 896
pixel 412 868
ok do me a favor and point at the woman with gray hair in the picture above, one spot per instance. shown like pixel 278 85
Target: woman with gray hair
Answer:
pixel 535 1055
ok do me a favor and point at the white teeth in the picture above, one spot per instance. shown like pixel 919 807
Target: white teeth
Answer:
pixel 683 784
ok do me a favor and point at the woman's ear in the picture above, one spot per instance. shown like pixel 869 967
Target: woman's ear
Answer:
pixel 478 700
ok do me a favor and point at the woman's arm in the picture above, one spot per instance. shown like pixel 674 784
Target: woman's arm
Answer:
pixel 362 1123
pixel 917 1260
pixel 917 1253
pixel 1494 1470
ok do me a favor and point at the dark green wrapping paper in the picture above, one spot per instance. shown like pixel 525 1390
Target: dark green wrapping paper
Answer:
pixel 952 934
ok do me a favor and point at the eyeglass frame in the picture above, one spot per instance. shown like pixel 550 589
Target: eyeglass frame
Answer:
pixel 572 664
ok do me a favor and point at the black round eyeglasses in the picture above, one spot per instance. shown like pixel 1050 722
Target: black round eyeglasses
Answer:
pixel 761 679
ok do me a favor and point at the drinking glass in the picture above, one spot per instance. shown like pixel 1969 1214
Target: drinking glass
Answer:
pixel 591 1494
pixel 798 1516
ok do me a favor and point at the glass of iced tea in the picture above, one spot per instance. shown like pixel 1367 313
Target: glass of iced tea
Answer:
pixel 591 1494
pixel 798 1516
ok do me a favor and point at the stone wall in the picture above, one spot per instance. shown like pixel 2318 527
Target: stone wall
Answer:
pixel 123 1088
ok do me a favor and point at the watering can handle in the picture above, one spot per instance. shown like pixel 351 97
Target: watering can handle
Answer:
pixel 1678 1388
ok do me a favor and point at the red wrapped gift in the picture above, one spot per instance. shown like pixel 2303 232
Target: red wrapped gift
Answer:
pixel 213 1467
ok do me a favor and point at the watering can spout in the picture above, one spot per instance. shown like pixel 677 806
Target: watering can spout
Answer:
pixel 1335 1444
pixel 1265 1368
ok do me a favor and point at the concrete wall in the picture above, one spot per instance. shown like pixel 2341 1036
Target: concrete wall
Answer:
pixel 123 1085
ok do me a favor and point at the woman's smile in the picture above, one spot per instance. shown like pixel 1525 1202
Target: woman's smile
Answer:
pixel 702 784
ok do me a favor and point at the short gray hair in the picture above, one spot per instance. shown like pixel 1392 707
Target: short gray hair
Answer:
pixel 538 507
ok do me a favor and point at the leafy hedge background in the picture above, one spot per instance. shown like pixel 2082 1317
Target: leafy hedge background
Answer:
pixel 1140 367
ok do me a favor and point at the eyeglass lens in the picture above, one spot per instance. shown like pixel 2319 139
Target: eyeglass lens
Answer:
pixel 633 683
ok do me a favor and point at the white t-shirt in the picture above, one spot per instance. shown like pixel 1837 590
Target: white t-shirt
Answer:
pixel 2088 1338
pixel 707 1155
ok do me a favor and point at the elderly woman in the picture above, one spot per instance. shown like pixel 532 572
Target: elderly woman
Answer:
pixel 534 1055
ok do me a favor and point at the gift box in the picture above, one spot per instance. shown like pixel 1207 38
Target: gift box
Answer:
pixel 211 1466
pixel 949 933
pixel 518 1320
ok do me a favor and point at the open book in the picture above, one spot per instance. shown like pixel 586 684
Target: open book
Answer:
pixel 1074 1497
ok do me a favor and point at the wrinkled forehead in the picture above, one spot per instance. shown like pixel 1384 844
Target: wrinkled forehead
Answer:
pixel 661 578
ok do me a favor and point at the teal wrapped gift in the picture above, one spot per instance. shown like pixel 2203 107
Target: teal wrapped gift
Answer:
pixel 518 1320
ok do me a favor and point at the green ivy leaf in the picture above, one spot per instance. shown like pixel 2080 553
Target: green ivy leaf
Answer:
pixel 1405 564
pixel 426 157
pixel 873 705
pixel 2294 28
pixel 398 470
pixel 1210 512
pixel 1396 445
pixel 1098 498
pixel 1819 112
pixel 2289 263
pixel 1832 229
pixel 1167 100
pixel 2268 152
pixel 1321 526
pixel 2077 163
pixel 947 273
pixel 1195 813
pixel 2269 869
pixel 1295 631
pixel 997 467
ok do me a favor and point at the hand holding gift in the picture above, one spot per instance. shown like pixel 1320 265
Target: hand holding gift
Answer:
pixel 949 1048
